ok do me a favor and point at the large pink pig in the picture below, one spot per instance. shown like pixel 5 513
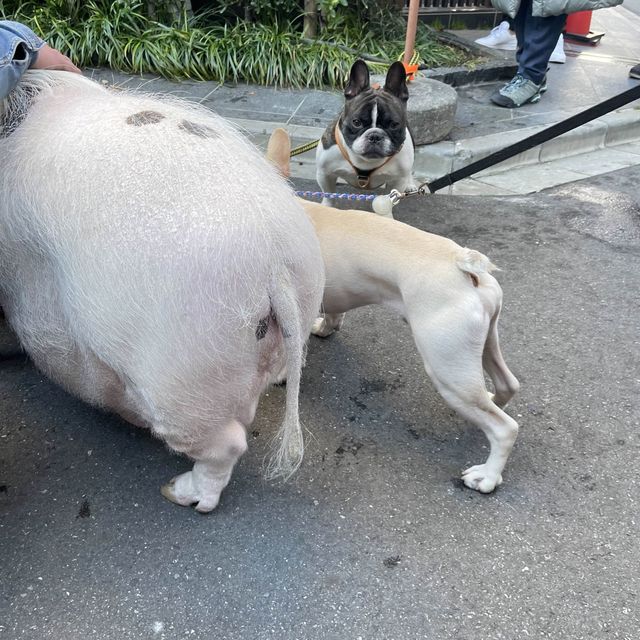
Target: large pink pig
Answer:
pixel 154 264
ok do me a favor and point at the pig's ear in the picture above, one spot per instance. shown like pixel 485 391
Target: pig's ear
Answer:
pixel 358 79
pixel 396 81
pixel 279 150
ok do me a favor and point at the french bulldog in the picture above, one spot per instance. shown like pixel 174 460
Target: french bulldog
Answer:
pixel 368 145
pixel 445 292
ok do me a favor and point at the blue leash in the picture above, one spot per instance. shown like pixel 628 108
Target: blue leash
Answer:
pixel 335 196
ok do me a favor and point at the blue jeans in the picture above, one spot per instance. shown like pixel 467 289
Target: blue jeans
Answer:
pixel 18 50
pixel 537 37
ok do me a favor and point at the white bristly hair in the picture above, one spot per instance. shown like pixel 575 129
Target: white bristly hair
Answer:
pixel 142 239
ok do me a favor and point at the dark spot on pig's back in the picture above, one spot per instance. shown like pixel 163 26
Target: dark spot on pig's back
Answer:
pixel 145 117
pixel 197 129
pixel 392 561
pixel 16 107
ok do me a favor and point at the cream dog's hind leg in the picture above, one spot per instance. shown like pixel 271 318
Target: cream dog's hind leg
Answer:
pixel 458 376
pixel 505 383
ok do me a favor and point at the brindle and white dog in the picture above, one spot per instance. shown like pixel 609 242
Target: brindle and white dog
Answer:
pixel 369 144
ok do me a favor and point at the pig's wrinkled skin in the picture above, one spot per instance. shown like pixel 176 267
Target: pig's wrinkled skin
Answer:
pixel 151 262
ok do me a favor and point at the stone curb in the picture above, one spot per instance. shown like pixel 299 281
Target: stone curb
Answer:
pixel 460 76
pixel 436 160
pixel 494 68
pixel 618 127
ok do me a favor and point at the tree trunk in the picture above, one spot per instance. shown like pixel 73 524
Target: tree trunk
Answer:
pixel 310 27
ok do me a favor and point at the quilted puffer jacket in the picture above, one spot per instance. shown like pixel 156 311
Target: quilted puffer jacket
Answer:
pixel 544 8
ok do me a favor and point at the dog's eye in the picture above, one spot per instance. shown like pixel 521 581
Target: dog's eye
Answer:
pixel 394 125
pixel 356 123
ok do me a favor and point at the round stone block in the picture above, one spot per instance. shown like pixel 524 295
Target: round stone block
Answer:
pixel 430 110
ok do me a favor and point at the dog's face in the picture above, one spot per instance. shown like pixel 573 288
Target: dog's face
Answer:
pixel 374 122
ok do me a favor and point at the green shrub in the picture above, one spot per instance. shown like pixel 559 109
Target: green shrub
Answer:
pixel 215 45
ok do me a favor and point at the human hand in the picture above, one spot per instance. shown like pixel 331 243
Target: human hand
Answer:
pixel 49 58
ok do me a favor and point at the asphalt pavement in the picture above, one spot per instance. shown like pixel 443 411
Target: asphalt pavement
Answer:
pixel 375 537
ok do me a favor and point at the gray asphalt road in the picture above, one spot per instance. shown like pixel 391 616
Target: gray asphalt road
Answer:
pixel 375 538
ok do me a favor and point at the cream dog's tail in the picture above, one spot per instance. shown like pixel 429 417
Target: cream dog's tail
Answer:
pixel 474 263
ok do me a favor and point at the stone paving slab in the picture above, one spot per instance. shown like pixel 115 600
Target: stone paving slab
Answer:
pixel 532 178
pixel 603 161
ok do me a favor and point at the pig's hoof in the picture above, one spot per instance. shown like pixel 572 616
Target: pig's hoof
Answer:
pixel 181 491
pixel 481 478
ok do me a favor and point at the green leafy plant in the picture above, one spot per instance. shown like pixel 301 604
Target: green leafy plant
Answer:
pixel 329 8
pixel 125 35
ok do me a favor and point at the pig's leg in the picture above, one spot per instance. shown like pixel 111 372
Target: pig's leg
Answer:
pixel 215 458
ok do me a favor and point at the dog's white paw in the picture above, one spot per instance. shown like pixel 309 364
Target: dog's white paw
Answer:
pixel 321 328
pixel 481 478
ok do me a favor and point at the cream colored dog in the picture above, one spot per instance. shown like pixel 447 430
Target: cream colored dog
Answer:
pixel 446 294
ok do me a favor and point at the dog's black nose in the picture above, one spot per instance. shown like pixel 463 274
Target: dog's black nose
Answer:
pixel 375 137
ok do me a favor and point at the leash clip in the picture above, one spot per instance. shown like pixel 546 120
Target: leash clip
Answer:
pixel 395 196
pixel 422 190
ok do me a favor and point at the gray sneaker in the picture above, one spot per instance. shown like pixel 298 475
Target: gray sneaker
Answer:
pixel 543 86
pixel 517 92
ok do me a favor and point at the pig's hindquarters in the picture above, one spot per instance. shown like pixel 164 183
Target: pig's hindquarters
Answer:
pixel 186 366
pixel 161 271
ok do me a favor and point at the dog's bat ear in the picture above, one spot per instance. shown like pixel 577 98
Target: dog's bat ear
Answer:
pixel 279 150
pixel 358 79
pixel 396 81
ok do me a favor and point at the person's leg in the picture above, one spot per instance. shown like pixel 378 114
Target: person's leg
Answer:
pixel 518 26
pixel 537 38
